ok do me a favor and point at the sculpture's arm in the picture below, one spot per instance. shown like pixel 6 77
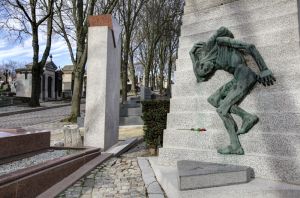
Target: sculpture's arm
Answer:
pixel 195 59
pixel 266 77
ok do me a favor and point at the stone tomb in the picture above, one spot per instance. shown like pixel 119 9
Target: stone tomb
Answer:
pixel 29 166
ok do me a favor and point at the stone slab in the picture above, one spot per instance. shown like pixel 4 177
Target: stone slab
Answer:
pixel 153 187
pixel 17 143
pixel 196 174
pixel 258 188
pixel 122 146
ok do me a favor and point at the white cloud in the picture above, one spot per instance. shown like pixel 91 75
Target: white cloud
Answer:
pixel 23 52
pixel 3 43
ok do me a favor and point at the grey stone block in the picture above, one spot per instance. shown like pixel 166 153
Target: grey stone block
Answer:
pixel 287 50
pixel 258 13
pixel 131 120
pixel 231 21
pixel 258 101
pixel 284 35
pixel 192 13
pixel 204 4
pixel 255 142
pixel 156 196
pixel 196 175
pixel 154 188
pixel 145 93
pixel 192 88
pixel 80 121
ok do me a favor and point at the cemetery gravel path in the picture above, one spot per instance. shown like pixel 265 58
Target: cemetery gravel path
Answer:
pixel 32 119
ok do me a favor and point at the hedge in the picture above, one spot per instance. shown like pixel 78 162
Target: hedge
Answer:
pixel 155 121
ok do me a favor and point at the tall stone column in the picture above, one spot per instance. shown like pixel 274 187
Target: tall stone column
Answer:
pixel 103 82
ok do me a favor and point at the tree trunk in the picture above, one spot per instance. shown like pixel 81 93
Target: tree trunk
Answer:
pixel 132 74
pixel 76 97
pixel 169 75
pixel 35 71
pixel 35 87
pixel 148 66
pixel 125 67
pixel 161 82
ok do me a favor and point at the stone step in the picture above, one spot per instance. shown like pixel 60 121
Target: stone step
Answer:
pixel 265 166
pixel 267 25
pixel 190 88
pixel 131 120
pixel 204 4
pixel 255 102
pixel 284 50
pixel 287 122
pixel 193 14
pixel 279 36
pixel 279 144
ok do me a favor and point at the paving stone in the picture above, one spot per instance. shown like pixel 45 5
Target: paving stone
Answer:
pixel 119 177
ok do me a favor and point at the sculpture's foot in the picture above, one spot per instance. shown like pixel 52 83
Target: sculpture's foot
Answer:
pixel 248 122
pixel 230 150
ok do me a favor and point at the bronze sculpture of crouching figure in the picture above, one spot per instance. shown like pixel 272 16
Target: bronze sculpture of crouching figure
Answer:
pixel 223 52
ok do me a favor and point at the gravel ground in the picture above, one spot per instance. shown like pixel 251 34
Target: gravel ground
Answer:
pixel 34 160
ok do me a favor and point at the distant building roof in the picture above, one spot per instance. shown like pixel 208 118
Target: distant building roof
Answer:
pixel 50 65
pixel 68 68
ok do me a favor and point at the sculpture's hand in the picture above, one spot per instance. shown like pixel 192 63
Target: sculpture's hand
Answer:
pixel 196 46
pixel 266 78
pixel 199 79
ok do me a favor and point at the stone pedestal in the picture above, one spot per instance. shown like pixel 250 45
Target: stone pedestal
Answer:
pixel 72 136
pixel 103 82
pixel 272 146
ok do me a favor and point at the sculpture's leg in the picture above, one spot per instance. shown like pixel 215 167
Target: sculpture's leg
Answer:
pixel 220 94
pixel 249 120
pixel 235 146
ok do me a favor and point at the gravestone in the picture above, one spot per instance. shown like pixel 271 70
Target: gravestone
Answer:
pixel 272 146
pixel 145 93
pixel 103 82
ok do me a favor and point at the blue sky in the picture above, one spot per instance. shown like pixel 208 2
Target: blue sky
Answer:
pixel 22 52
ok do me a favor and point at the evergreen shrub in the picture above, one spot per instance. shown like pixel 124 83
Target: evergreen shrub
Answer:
pixel 155 121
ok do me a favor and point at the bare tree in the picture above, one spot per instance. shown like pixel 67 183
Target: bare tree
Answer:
pixel 71 22
pixel 128 11
pixel 160 29
pixel 23 17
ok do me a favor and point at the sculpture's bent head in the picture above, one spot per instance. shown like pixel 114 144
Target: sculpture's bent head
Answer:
pixel 203 66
